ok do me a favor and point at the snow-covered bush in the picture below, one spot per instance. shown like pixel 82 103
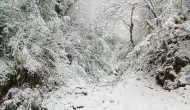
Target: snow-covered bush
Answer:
pixel 159 54
pixel 26 43
pixel 22 99
pixel 45 48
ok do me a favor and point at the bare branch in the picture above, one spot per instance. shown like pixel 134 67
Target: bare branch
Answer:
pixel 125 23
pixel 151 8
pixel 150 24
pixel 69 7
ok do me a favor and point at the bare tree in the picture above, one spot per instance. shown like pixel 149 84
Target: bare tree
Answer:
pixel 124 11
pixel 131 26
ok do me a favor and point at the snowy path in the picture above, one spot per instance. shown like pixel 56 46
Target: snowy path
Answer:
pixel 129 97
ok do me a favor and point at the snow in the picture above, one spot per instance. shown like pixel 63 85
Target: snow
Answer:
pixel 96 76
pixel 131 95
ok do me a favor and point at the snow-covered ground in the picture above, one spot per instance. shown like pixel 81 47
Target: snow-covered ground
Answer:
pixel 131 94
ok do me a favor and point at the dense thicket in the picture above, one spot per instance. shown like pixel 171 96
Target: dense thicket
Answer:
pixel 45 44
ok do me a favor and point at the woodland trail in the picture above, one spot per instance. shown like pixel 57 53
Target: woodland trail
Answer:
pixel 134 95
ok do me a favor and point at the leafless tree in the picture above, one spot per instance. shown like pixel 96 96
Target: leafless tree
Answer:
pixel 131 26
pixel 127 10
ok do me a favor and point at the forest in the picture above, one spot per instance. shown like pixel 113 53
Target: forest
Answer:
pixel 94 55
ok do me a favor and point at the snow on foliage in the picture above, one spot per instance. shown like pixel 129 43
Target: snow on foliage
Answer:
pixel 42 48
pixel 46 49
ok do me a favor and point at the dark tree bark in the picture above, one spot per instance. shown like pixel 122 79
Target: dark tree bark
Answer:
pixel 131 26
